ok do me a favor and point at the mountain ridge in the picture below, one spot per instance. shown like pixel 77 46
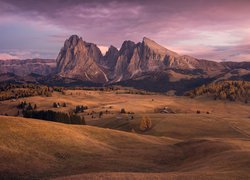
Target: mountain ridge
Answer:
pixel 143 64
pixel 134 59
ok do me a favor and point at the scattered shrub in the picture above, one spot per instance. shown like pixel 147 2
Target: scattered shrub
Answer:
pixel 123 111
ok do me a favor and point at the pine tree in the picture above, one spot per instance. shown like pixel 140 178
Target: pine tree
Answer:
pixel 100 114
pixel 123 111
pixel 55 105
pixel 29 107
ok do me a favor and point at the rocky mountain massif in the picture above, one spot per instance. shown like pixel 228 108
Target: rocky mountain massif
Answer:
pixel 145 65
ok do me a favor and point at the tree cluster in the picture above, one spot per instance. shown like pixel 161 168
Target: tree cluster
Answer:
pixel 26 106
pixel 80 108
pixel 54 116
pixel 57 104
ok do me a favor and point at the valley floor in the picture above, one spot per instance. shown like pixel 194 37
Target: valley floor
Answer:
pixel 213 144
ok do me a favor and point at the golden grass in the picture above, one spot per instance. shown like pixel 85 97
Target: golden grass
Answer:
pixel 158 176
pixel 185 145
pixel 33 148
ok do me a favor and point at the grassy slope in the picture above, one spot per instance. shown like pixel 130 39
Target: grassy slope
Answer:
pixel 33 148
pixel 185 144
pixel 100 101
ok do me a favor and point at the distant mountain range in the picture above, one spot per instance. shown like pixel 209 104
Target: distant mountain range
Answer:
pixel 145 65
pixel 28 66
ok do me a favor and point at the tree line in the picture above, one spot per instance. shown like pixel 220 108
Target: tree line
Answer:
pixel 54 116
pixel 15 91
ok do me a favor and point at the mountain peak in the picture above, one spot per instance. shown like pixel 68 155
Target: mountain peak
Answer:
pixel 156 47
pixel 111 50
pixel 128 43
pixel 127 46
pixel 146 39
pixel 72 41
pixel 111 47
pixel 152 44
pixel 74 37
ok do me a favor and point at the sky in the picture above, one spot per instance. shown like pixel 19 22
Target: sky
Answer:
pixel 215 30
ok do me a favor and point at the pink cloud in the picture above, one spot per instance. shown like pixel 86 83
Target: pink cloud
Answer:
pixel 217 53
pixel 6 56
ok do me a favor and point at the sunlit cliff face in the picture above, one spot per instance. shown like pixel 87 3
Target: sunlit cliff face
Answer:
pixel 217 30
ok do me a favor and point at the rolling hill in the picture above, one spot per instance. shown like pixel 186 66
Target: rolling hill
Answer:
pixel 37 149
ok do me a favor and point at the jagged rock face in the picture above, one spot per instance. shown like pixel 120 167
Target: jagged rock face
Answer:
pixel 140 58
pixel 78 59
pixel 123 60
pixel 109 59
pixel 149 56
pixel 84 61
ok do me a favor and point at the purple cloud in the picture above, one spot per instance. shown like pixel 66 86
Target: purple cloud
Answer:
pixel 175 23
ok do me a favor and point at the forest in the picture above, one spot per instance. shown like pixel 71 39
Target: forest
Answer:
pixel 224 90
